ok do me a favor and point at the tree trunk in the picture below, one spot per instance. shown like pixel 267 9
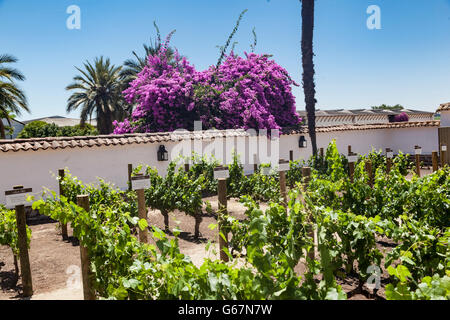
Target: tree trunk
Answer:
pixel 110 121
pixel 308 68
pixel 16 265
pixel 2 130
pixel 166 220
pixel 198 220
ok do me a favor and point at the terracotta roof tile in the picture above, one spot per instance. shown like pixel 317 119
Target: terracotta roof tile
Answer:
pixel 358 127
pixel 108 140
pixel 444 107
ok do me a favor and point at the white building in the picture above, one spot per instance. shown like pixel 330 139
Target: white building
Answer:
pixel 31 162
pixel 61 121
pixel 364 116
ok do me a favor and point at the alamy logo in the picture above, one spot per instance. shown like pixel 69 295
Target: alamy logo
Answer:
pixel 74 20
pixel 374 281
pixel 374 20
pixel 74 279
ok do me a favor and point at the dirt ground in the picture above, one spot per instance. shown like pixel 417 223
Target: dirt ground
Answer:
pixel 55 263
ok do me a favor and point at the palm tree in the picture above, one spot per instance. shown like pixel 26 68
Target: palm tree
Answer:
pixel 135 65
pixel 12 99
pixel 308 68
pixel 99 92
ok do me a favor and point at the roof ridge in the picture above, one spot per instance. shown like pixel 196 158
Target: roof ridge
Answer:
pixel 164 137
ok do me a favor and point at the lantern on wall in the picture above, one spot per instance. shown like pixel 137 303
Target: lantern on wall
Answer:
pixel 302 143
pixel 163 155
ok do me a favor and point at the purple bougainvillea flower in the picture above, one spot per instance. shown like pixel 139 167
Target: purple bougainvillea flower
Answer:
pixel 244 92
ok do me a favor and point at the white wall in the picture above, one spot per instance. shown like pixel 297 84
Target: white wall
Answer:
pixel 33 168
pixel 362 141
pixel 445 118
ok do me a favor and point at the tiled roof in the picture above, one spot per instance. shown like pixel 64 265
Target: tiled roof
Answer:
pixel 111 140
pixel 358 127
pixel 347 112
pixel 138 138
pixel 444 106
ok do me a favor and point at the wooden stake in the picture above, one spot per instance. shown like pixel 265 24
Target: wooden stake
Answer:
pixel 86 273
pixel 142 213
pixel 186 167
pixel 130 171
pixel 255 164
pixel 25 269
pixel 61 173
pixel 369 172
pixel 443 155
pixel 351 166
pixel 417 161
pixel 306 174
pixel 435 161
pixel 291 155
pixel 349 150
pixel 321 152
pixel 223 243
pixel 388 161
pixel 283 187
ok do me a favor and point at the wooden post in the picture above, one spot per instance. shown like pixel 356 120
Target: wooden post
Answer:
pixel 130 171
pixel 306 174
pixel 255 164
pixel 351 165
pixel 283 167
pixel 443 155
pixel 349 150
pixel 87 276
pixel 186 167
pixel 388 160
pixel 417 155
pixel 291 155
pixel 61 173
pixel 369 172
pixel 321 152
pixel 222 194
pixel 142 213
pixel 435 161
pixel 25 268
pixel 283 187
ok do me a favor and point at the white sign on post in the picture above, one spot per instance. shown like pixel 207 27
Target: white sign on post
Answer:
pixel 283 167
pixel 352 159
pixel 221 173
pixel 389 155
pixel 418 151
pixel 17 197
pixel 444 148
pixel 266 170
pixel 140 182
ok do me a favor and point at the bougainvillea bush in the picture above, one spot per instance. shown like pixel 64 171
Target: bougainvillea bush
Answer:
pixel 243 92
pixel 402 117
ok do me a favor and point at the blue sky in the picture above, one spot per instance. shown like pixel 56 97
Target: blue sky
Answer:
pixel 406 62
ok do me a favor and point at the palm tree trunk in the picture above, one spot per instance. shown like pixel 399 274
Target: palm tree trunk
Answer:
pixel 308 68
pixel 101 123
pixel 2 130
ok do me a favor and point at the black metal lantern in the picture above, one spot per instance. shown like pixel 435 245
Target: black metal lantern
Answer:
pixel 163 155
pixel 302 143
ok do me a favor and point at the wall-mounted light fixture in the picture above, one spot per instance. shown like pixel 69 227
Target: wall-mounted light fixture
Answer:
pixel 163 155
pixel 302 143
